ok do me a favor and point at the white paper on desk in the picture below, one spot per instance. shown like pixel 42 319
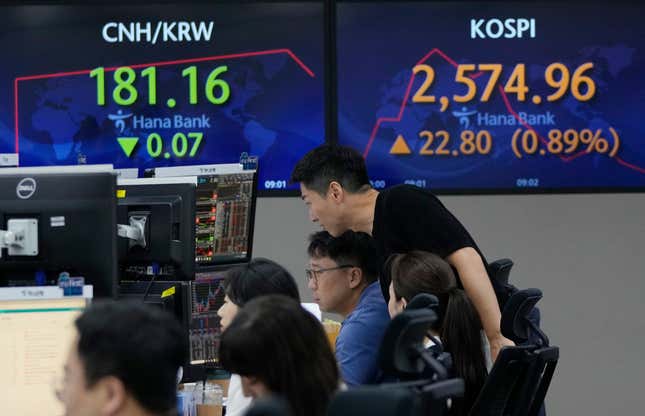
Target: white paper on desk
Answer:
pixel 30 292
pixel 314 309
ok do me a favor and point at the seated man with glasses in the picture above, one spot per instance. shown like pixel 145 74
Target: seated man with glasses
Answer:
pixel 343 278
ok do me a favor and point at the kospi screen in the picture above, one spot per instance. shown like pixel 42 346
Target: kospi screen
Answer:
pixel 146 85
pixel 494 96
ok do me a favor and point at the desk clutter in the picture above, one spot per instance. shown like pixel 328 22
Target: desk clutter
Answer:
pixel 200 399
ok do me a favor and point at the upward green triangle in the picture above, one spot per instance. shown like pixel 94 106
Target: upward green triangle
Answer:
pixel 128 144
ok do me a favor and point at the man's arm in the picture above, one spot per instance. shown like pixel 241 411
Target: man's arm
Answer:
pixel 475 279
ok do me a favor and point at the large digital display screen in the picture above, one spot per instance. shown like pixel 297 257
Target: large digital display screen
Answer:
pixel 149 85
pixel 494 96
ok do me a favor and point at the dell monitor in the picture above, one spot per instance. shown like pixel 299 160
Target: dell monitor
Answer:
pixel 156 223
pixel 55 220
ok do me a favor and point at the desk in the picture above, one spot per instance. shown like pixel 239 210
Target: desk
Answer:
pixel 223 383
pixel 211 410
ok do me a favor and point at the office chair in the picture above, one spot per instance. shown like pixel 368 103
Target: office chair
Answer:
pixel 544 365
pixel 500 269
pixel 403 355
pixel 375 401
pixel 269 406
pixel 521 375
pixel 515 321
pixel 423 301
pixel 500 392
pixel 428 301
pixel 499 272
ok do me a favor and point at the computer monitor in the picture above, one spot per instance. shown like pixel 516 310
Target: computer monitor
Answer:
pixel 212 79
pixel 224 214
pixel 36 337
pixel 156 220
pixel 55 220
pixel 195 305
pixel 206 297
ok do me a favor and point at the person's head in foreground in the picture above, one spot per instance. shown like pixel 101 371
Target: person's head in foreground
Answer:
pixel 123 362
pixel 257 278
pixel 458 326
pixel 280 349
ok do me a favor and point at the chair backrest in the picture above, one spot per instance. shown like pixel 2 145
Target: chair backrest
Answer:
pixel 404 356
pixel 504 382
pixel 423 301
pixel 515 323
pixel 528 399
pixel 428 301
pixel 375 401
pixel 539 380
pixel 521 375
pixel 435 396
pixel 499 272
pixel 268 406
pixel 403 336
pixel 500 269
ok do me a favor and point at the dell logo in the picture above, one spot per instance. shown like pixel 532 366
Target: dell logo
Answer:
pixel 497 28
pixel 26 188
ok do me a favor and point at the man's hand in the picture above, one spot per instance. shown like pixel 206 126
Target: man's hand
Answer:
pixel 474 277
pixel 496 345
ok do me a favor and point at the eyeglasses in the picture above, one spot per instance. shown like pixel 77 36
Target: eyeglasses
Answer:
pixel 313 273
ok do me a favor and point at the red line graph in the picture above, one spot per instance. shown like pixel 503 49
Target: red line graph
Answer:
pixel 507 103
pixel 288 52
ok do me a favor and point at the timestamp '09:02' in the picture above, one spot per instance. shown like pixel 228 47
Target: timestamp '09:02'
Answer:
pixel 527 182
pixel 125 92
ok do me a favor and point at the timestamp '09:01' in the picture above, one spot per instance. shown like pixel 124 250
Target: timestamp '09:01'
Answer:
pixel 216 90
pixel 275 184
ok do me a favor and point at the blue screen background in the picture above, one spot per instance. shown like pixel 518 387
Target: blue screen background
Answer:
pixel 275 110
pixel 380 42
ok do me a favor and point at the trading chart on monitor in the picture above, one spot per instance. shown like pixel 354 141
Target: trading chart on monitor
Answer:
pixel 224 216
pixel 207 296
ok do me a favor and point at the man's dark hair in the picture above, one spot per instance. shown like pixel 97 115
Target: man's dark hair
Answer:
pixel 274 339
pixel 327 163
pixel 141 345
pixel 259 277
pixel 352 247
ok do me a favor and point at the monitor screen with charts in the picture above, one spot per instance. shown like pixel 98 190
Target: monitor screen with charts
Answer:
pixel 224 212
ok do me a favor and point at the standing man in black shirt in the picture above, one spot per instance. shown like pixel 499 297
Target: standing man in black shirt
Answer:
pixel 335 187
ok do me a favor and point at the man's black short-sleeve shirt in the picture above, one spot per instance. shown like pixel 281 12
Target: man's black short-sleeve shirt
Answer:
pixel 409 218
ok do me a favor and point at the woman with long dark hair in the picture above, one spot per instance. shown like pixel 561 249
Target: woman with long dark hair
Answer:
pixel 458 327
pixel 278 348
